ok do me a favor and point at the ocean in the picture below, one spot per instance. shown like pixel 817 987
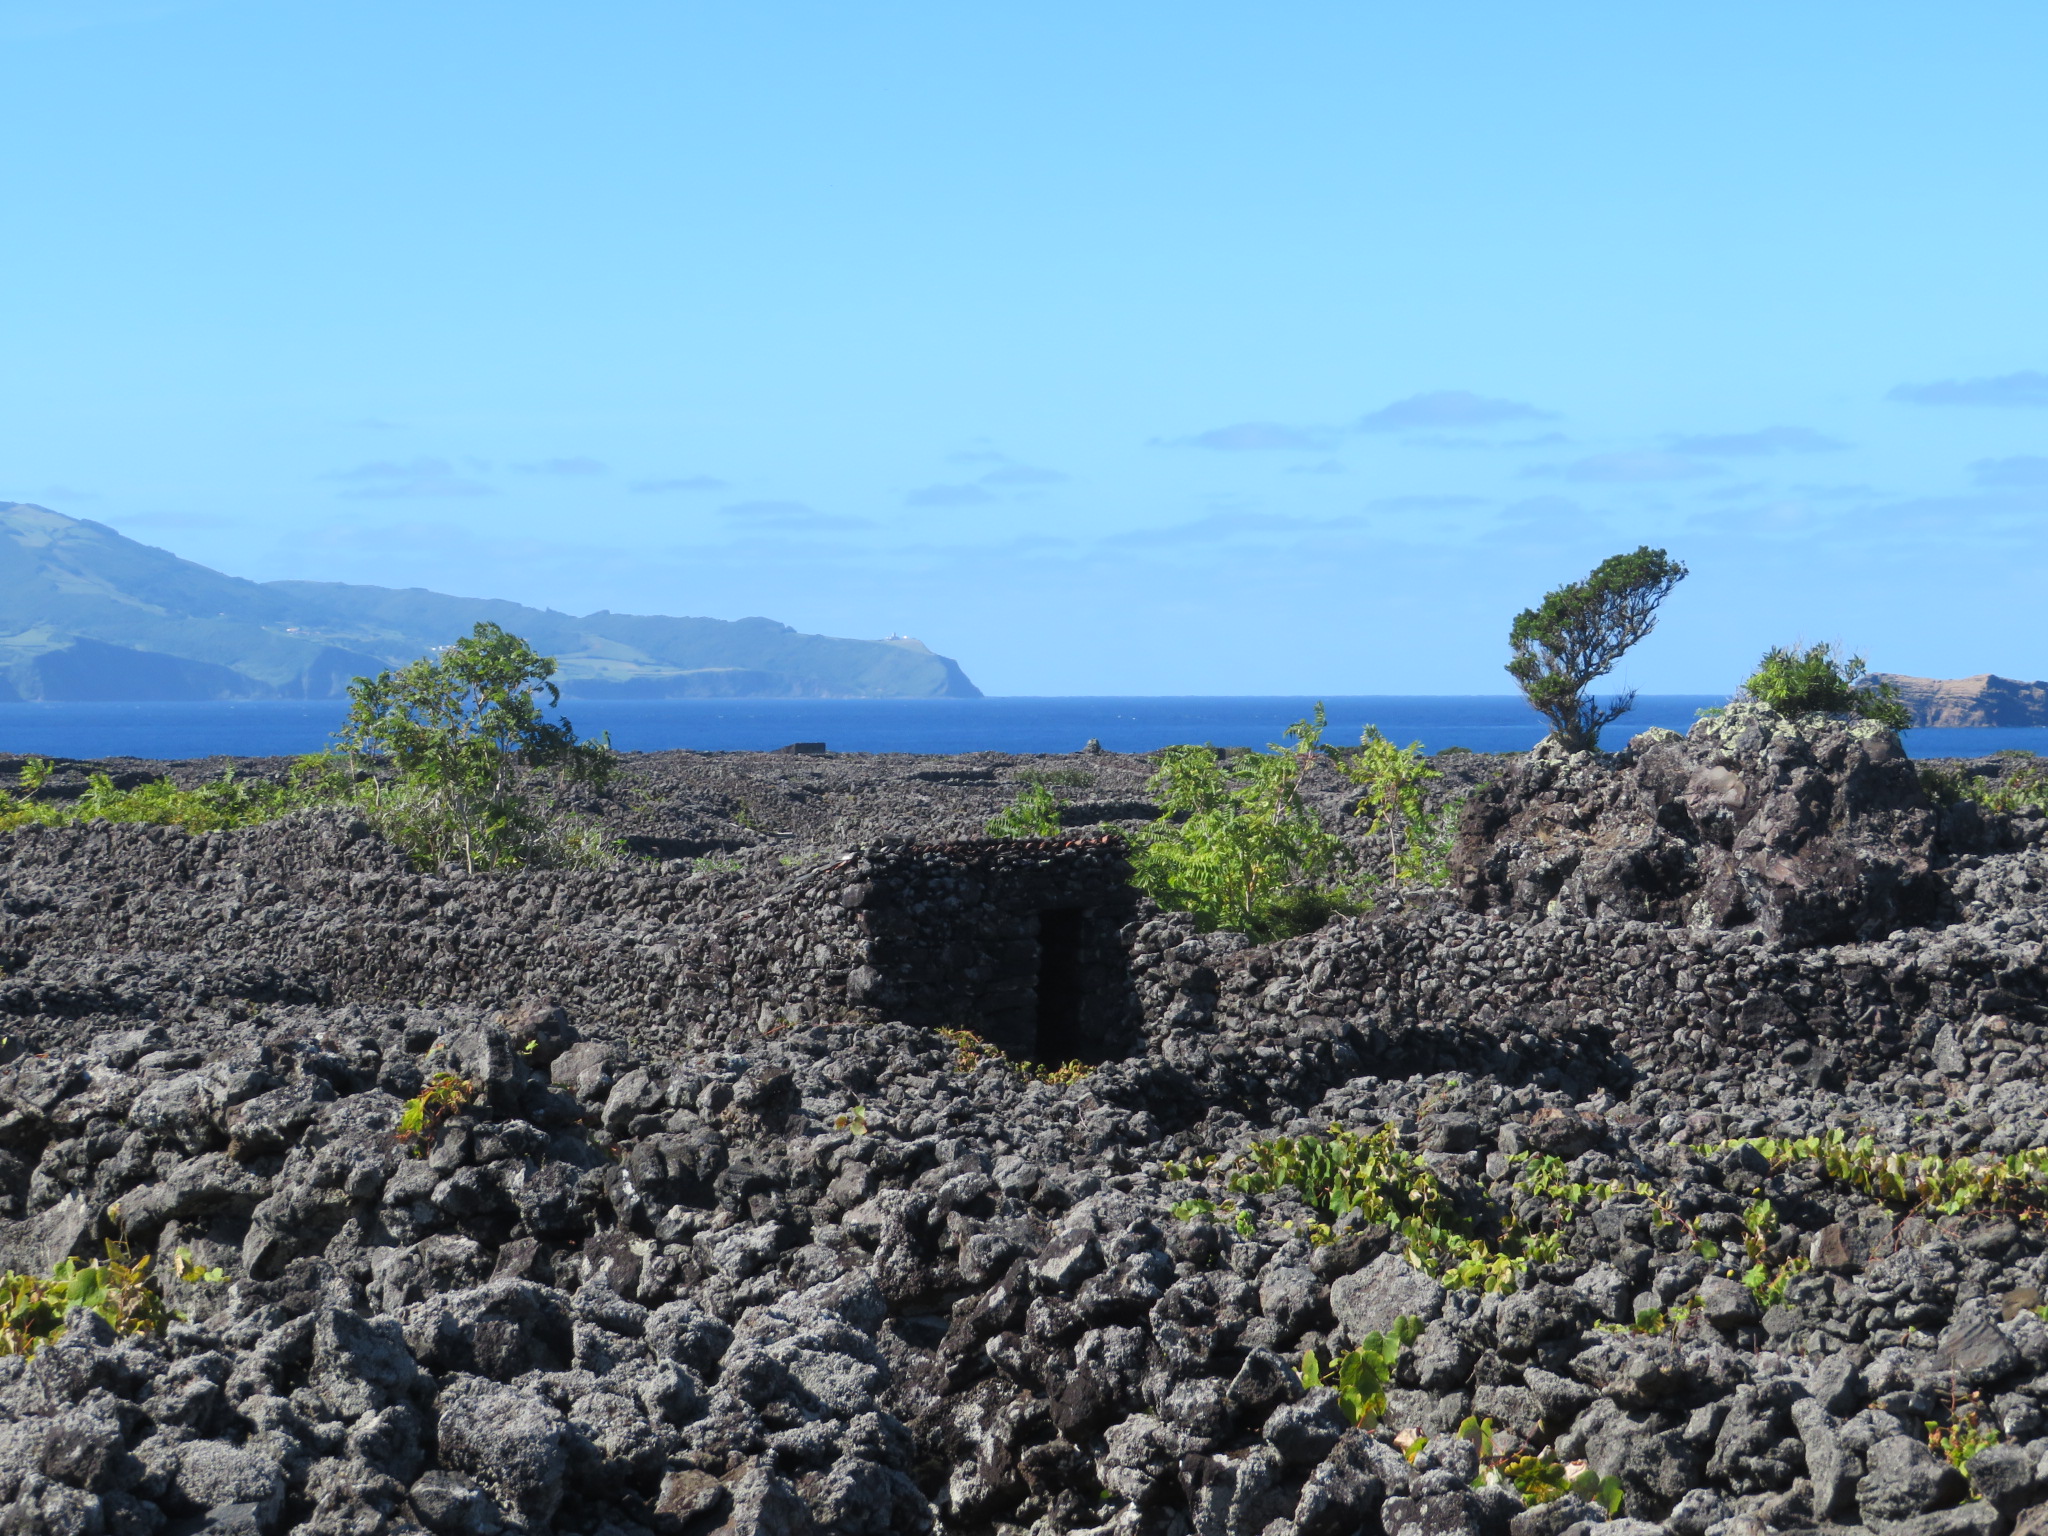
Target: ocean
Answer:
pixel 1482 722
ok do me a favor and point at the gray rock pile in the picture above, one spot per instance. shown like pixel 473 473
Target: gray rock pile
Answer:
pixel 1814 831
pixel 680 1266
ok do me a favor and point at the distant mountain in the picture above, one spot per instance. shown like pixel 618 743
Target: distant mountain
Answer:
pixel 86 613
pixel 1985 699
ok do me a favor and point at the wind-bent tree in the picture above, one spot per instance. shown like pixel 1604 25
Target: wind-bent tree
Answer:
pixel 1579 632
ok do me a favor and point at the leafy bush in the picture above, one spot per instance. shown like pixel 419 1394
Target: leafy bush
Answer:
pixel 1819 681
pixel 1959 1441
pixel 1540 1479
pixel 1034 813
pixel 466 732
pixel 1236 845
pixel 1579 632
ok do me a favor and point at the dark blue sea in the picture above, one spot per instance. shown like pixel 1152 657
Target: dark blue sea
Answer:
pixel 1483 722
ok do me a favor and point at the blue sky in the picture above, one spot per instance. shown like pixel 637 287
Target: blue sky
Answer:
pixel 1147 348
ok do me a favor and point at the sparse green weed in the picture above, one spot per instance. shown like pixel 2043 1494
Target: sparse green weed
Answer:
pixel 118 1288
pixel 1948 1185
pixel 445 1096
pixel 1034 813
pixel 1961 1438
pixel 1360 1376
pixel 970 1052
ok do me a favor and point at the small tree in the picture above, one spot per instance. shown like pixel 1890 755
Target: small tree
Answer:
pixel 1237 845
pixel 459 727
pixel 1395 806
pixel 1579 632
pixel 1818 680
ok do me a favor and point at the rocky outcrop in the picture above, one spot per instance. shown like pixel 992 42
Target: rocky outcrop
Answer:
pixel 1986 699
pixel 1814 831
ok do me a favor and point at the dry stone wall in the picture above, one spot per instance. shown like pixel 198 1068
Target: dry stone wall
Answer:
pixel 317 908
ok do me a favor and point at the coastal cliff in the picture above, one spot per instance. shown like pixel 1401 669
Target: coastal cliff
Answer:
pixel 87 614
pixel 1986 699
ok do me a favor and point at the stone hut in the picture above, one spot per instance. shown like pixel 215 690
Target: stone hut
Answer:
pixel 1018 940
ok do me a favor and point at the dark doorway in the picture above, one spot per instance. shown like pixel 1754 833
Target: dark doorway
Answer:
pixel 1059 991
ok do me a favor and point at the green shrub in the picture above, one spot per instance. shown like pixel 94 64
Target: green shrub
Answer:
pixel 224 803
pixel 1034 813
pixel 1540 1478
pixel 1819 681
pixel 1959 1441
pixel 1235 843
pixel 471 750
pixel 466 733
pixel 2023 785
pixel 1579 632
pixel 971 1052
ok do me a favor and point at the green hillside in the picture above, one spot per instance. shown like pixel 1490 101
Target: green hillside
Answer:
pixel 86 613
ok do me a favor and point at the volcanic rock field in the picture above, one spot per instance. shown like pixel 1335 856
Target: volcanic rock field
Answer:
pixel 725 1236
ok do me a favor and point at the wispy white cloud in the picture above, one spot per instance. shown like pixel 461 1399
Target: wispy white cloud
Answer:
pixel 177 522
pixel 1464 443
pixel 1837 492
pixel 789 517
pixel 1548 519
pixel 2026 389
pixel 1624 469
pixel 384 480
pixel 679 483
pixel 2003 517
pixel 1220 527
pixel 574 466
pixel 954 495
pixel 1252 437
pixel 1447 408
pixel 1759 444
pixel 1427 503
pixel 2020 469
pixel 1023 474
pixel 1002 474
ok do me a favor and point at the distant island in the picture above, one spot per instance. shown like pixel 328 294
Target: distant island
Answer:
pixel 87 614
pixel 1985 699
